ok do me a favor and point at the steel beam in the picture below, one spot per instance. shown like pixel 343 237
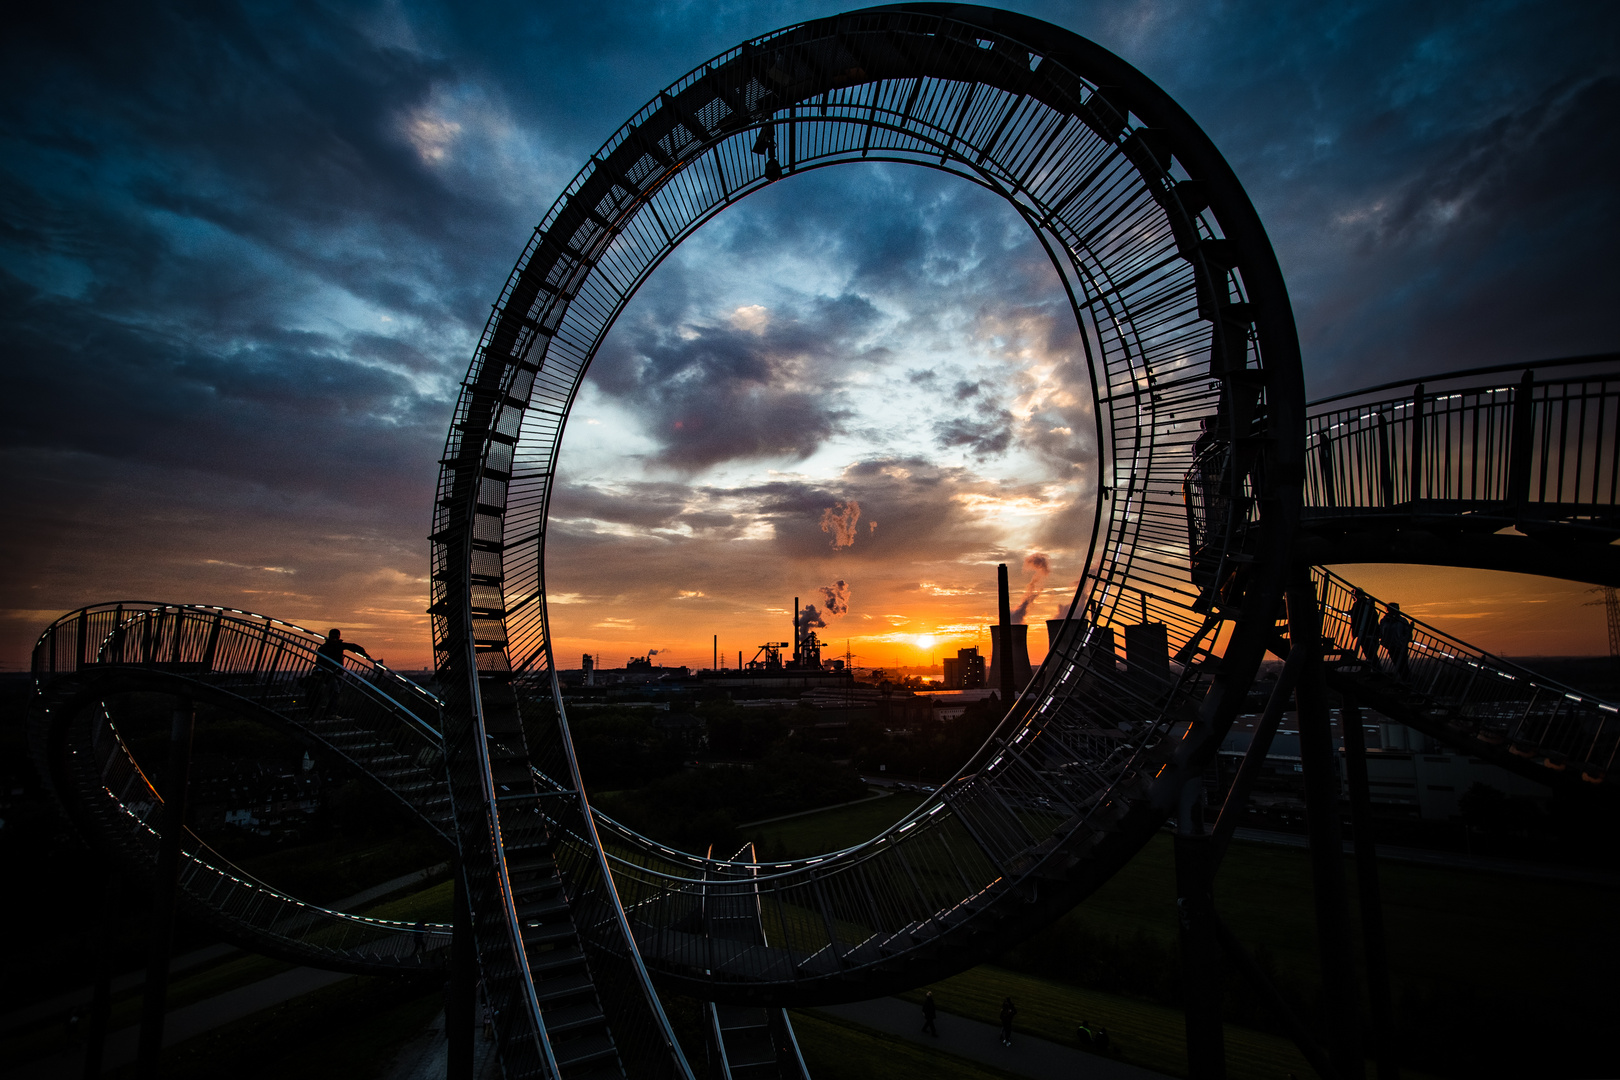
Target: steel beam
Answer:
pixel 1200 952
pixel 1372 910
pixel 1340 995
pixel 460 992
pixel 164 884
pixel 1255 758
pixel 101 993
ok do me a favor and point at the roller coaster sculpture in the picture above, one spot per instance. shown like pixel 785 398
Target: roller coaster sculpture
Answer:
pixel 1217 488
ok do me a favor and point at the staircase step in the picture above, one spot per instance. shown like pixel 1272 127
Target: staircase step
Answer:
pixel 585 1050
pixel 547 963
pixel 549 933
pixel 573 1018
pixel 563 986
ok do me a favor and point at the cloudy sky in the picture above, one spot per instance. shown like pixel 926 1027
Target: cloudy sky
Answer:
pixel 246 251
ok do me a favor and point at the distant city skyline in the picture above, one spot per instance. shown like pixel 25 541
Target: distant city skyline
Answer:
pixel 247 259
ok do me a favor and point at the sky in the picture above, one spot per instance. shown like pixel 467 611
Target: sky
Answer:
pixel 246 252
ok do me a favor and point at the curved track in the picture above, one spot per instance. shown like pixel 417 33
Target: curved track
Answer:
pixel 1194 359
pixel 1202 456
pixel 256 667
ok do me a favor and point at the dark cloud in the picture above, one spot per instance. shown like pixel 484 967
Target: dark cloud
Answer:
pixel 711 393
pixel 981 436
pixel 245 255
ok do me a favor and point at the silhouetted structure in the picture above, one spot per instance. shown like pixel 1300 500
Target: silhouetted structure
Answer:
pixel 1184 299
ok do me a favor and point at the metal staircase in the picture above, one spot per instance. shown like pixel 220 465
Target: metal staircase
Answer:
pixel 1467 698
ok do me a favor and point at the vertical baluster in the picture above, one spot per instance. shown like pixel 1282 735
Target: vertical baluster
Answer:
pixel 1580 445
pixel 1521 431
pixel 1414 467
pixel 1613 456
pixel 1386 475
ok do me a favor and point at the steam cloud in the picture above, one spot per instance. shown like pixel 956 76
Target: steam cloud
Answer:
pixel 810 618
pixel 837 597
pixel 839 520
pixel 1039 566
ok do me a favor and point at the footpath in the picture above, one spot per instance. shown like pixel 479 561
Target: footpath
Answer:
pixel 1035 1058
pixel 191 1020
pixel 423 1058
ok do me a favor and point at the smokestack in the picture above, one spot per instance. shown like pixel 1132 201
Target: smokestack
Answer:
pixel 1004 636
pixel 795 631
pixel 716 666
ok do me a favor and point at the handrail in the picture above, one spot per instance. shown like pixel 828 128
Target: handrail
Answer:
pixel 1493 698
pixel 1493 369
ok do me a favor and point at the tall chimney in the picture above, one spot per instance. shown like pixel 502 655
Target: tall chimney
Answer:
pixel 1004 637
pixel 795 631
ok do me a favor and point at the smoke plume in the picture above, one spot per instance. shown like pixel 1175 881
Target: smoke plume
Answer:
pixel 837 597
pixel 810 619
pixel 839 520
pixel 1039 566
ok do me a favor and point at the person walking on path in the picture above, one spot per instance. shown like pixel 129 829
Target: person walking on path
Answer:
pixel 1008 1011
pixel 1364 624
pixel 1395 631
pixel 929 1012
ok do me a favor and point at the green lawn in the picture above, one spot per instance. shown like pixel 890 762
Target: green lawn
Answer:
pixel 831 830
pixel 1465 949
pixel 835 1049
pixel 1140 1033
pixel 348 1031
pixel 432 904
pixel 1448 930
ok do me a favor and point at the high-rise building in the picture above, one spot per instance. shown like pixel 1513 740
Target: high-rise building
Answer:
pixel 965 670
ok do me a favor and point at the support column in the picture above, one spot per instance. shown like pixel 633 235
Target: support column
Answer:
pixel 461 992
pixel 1372 909
pixel 1200 944
pixel 95 1045
pixel 164 882
pixel 1340 994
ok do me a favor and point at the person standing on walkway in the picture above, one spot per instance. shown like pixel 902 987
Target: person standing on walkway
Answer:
pixel 1396 634
pixel 1008 1011
pixel 329 669
pixel 1364 624
pixel 929 1012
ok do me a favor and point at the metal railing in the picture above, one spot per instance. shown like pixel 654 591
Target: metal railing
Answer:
pixel 265 665
pixel 125 805
pixel 1473 693
pixel 1543 447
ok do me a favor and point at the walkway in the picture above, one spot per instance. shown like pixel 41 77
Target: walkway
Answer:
pixel 423 1058
pixel 977 1041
